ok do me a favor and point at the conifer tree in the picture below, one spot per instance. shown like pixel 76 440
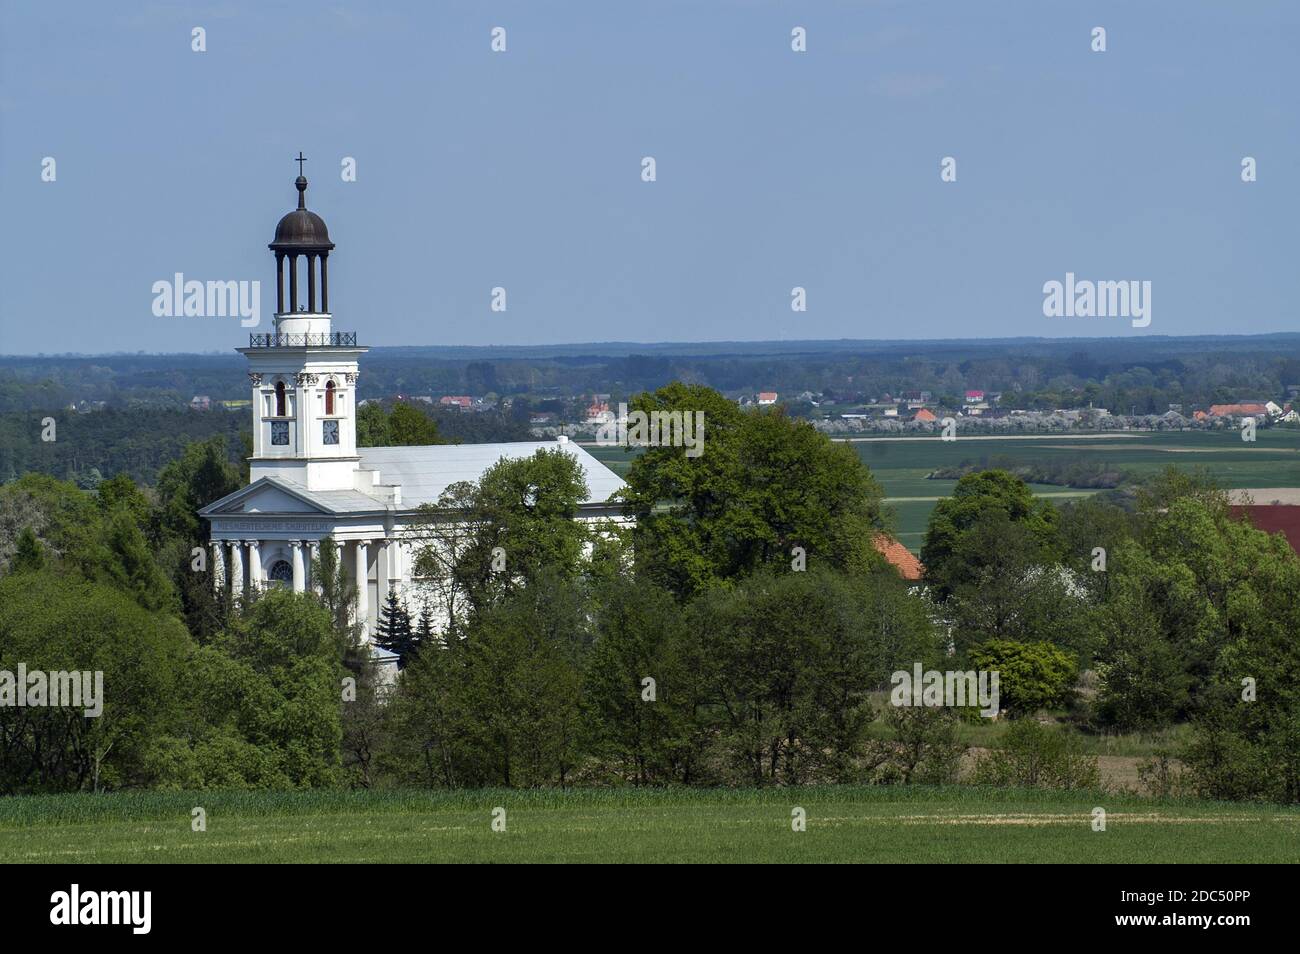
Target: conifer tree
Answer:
pixel 424 635
pixel 30 554
pixel 394 631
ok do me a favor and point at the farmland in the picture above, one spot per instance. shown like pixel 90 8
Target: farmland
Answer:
pixel 901 464
pixel 844 824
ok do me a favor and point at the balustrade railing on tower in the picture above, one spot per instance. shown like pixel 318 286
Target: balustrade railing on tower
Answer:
pixel 332 339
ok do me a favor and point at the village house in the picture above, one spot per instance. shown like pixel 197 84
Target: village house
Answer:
pixel 598 412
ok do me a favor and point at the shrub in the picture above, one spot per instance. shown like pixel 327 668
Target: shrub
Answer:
pixel 1037 756
pixel 1032 676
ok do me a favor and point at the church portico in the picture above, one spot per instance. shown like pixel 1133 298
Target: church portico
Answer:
pixel 244 563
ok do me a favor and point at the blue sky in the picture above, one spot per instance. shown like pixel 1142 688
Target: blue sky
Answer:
pixel 775 169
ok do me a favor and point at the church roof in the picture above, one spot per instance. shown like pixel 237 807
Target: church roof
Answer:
pixel 260 497
pixel 425 472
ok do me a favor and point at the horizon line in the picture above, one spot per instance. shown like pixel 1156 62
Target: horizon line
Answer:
pixel 749 343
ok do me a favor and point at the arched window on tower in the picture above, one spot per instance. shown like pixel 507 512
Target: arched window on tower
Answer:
pixel 279 399
pixel 329 397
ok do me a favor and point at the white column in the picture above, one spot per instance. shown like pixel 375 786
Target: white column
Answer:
pixel 254 565
pixel 236 568
pixel 315 559
pixel 399 566
pixel 218 566
pixel 390 559
pixel 259 411
pixel 299 574
pixel 363 587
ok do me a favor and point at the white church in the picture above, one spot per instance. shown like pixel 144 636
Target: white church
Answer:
pixel 308 480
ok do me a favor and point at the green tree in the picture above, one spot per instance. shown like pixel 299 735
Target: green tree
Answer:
pixel 976 498
pixel 372 425
pixel 763 484
pixel 122 492
pixel 404 425
pixel 500 706
pixel 288 642
pixel 643 700
pixel 408 425
pixel 337 593
pixel 789 661
pixel 52 621
pixel 202 475
pixel 394 631
pixel 488 541
pixel 30 555
pixel 424 633
pixel 133 565
pixel 1032 676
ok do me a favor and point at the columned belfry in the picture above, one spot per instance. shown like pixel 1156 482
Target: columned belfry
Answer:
pixel 301 234
pixel 304 374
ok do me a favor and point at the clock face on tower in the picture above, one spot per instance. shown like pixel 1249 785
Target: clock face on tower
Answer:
pixel 280 432
pixel 329 432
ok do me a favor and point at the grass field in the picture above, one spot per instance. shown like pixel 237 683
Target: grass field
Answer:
pixel 844 824
pixel 901 464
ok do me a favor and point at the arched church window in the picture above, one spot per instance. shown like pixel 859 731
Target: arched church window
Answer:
pixel 279 399
pixel 329 397
pixel 281 573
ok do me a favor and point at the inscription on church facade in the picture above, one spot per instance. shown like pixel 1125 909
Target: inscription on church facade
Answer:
pixel 263 526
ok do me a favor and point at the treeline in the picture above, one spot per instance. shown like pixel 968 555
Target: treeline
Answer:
pixel 88 447
pixel 744 632
pixel 92 446
pixel 1139 376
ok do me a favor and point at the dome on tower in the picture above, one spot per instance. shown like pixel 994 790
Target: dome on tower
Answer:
pixel 301 230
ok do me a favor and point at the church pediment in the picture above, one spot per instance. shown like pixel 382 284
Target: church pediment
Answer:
pixel 265 496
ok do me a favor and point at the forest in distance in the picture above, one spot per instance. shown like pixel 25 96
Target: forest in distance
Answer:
pixel 1147 373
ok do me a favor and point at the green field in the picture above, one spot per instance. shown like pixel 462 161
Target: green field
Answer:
pixel 901 464
pixel 844 824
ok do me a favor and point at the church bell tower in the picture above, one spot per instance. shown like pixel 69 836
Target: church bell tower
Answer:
pixel 304 373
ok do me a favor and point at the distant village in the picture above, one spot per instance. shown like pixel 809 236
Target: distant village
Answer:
pixel 551 414
pixel 920 411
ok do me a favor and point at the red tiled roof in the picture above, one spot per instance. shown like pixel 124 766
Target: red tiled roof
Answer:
pixel 899 557
pixel 1222 410
pixel 924 415
pixel 1274 518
